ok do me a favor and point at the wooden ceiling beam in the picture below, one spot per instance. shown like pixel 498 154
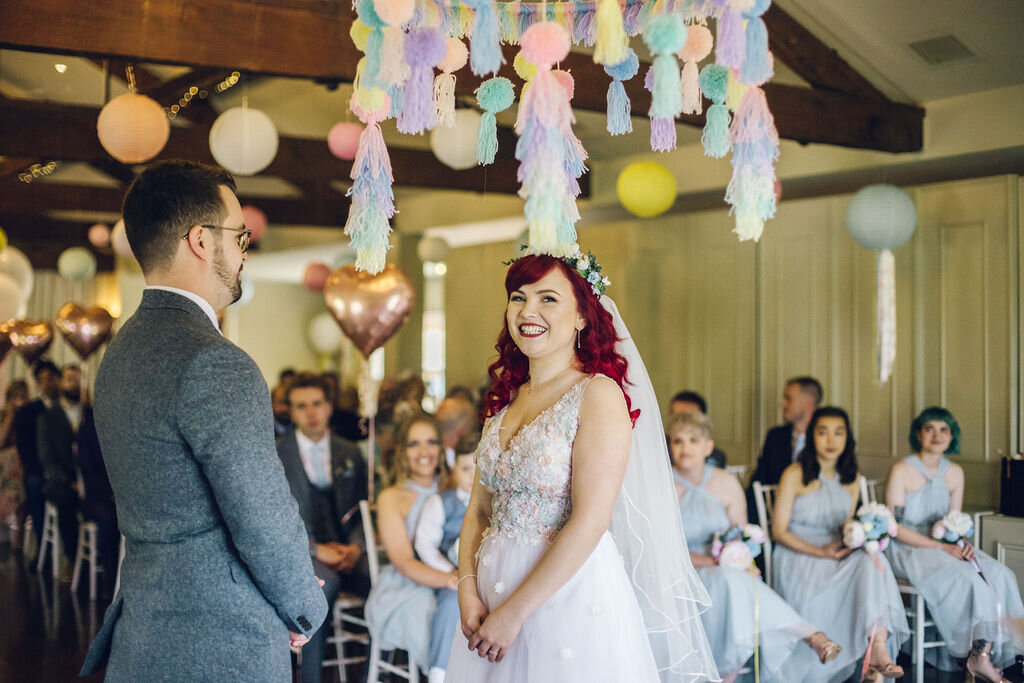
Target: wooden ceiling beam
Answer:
pixel 43 239
pixel 310 40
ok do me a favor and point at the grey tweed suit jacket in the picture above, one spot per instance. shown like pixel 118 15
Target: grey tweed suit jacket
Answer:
pixel 217 568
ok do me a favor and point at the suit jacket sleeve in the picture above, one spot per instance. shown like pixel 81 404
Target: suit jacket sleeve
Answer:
pixel 225 417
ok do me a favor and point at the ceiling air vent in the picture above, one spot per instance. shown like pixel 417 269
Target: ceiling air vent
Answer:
pixel 942 50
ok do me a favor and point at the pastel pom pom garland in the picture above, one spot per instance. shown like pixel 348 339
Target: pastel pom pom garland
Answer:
pixel 494 95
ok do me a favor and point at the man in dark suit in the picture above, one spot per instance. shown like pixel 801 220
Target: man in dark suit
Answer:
pixel 216 580
pixel 783 443
pixel 26 437
pixel 691 402
pixel 327 476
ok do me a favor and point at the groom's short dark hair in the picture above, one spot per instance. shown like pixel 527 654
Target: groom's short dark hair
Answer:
pixel 167 199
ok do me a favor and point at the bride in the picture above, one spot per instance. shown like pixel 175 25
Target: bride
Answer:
pixel 572 561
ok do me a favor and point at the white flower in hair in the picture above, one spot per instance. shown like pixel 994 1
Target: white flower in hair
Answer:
pixel 583 264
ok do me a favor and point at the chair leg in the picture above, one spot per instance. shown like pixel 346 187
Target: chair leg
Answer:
pixel 94 562
pixel 918 639
pixel 77 573
pixel 373 670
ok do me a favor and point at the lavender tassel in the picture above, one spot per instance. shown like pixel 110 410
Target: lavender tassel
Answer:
pixel 424 49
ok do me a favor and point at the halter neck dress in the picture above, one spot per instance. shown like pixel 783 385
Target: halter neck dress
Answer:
pixel 961 604
pixel 850 597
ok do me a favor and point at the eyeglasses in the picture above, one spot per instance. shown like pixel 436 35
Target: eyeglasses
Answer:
pixel 244 235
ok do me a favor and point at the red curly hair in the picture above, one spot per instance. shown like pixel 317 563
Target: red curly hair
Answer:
pixel 596 353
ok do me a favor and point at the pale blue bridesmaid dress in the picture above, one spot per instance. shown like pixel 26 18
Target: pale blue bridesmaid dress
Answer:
pixel 850 597
pixel 962 605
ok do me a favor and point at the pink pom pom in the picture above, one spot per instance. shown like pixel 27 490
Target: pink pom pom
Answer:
pixel 315 276
pixel 394 12
pixel 698 43
pixel 545 44
pixel 343 140
pixel 365 110
pixel 455 57
pixel 565 80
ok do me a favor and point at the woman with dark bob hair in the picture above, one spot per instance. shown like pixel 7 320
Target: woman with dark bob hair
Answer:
pixel 974 614
pixel 824 581
pixel 562 488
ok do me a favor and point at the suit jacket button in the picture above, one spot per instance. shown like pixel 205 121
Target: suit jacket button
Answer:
pixel 304 623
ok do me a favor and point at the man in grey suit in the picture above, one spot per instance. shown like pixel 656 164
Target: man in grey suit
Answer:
pixel 217 578
pixel 327 476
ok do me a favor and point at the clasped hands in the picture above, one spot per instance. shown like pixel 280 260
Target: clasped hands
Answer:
pixel 339 557
pixel 491 634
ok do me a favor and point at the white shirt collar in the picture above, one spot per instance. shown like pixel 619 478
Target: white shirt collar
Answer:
pixel 192 296
pixel 306 443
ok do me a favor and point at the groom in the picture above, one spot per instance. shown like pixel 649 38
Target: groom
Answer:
pixel 217 579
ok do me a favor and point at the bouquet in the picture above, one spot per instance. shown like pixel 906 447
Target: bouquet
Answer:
pixel 953 528
pixel 738 546
pixel 871 528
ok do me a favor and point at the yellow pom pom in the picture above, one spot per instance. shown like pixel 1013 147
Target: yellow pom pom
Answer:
pixel 360 33
pixel 524 69
pixel 734 92
pixel 612 41
pixel 370 99
pixel 646 188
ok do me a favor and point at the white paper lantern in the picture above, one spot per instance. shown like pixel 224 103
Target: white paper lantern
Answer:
pixel 324 334
pixel 243 140
pixel 16 265
pixel 881 217
pixel 133 128
pixel 10 298
pixel 456 146
pixel 432 249
pixel 76 263
pixel 248 290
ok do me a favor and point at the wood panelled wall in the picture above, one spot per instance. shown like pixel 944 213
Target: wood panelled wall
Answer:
pixel 735 320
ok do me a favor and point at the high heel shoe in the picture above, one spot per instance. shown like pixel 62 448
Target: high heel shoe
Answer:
pixel 823 646
pixel 980 666
pixel 878 671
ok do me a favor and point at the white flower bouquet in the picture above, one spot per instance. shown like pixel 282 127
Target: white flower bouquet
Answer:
pixel 872 528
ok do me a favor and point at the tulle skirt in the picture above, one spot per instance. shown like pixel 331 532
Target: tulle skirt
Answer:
pixel 590 630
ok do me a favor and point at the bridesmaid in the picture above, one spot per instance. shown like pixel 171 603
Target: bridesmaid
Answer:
pixel 922 488
pixel 401 602
pixel 711 501
pixel 824 581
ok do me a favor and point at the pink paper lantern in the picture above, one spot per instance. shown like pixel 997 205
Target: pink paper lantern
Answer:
pixel 133 128
pixel 343 140
pixel 99 236
pixel 315 276
pixel 254 220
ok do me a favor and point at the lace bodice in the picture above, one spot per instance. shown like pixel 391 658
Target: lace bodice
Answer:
pixel 531 481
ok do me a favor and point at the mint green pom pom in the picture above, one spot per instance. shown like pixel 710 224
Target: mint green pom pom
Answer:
pixel 665 33
pixel 495 94
pixel 713 81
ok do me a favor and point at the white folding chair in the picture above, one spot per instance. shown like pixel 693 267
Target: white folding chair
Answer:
pixel 377 665
pixel 49 541
pixel 868 490
pixel 764 499
pixel 738 471
pixel 88 551
pixel 920 620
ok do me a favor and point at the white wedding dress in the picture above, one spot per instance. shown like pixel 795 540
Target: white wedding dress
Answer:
pixel 592 628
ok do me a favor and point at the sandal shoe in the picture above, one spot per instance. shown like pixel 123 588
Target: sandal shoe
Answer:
pixel 980 667
pixel 824 647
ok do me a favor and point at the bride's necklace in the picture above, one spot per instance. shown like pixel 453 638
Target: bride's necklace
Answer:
pixel 531 388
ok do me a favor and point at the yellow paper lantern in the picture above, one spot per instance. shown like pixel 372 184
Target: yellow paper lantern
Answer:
pixel 133 128
pixel 646 189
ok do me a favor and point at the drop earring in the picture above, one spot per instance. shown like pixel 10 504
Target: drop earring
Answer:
pixel 578 338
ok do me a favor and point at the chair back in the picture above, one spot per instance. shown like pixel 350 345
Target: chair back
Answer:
pixel 764 499
pixel 738 471
pixel 370 537
pixel 868 490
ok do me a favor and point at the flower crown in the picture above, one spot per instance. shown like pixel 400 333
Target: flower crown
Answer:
pixel 587 266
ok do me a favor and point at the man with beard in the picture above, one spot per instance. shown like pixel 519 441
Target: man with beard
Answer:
pixel 217 580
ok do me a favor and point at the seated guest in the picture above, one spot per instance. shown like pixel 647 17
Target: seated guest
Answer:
pixel 47 377
pixel 401 603
pixel 282 414
pixel 327 477
pixel 12 488
pixel 922 488
pixel 710 502
pixel 63 429
pixel 824 581
pixel 692 402
pixel 458 418
pixel 345 420
pixel 785 442
pixel 437 545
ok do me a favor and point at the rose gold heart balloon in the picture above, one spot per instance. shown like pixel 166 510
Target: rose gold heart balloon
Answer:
pixel 6 345
pixel 369 308
pixel 30 338
pixel 85 329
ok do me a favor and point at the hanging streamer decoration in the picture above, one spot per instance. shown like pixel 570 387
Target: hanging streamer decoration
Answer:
pixel 619 121
pixel 485 42
pixel 373 201
pixel 494 95
pixel 714 80
pixel 444 85
pixel 697 47
pixel 885 342
pixel 664 35
pixel 612 42
pixel 424 49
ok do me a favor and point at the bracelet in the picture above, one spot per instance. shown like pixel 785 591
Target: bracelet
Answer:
pixel 467 576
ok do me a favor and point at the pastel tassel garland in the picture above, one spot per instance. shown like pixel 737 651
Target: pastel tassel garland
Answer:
pixel 424 48
pixel 393 68
pixel 612 41
pixel 485 49
pixel 697 47
pixel 373 201
pixel 619 121
pixel 374 42
pixel 664 34
pixel 734 91
pixel 731 44
pixel 714 80
pixel 444 84
pixel 494 95
pixel 755 141
pixel 757 63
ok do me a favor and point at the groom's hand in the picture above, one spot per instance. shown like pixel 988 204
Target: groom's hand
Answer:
pixel 297 639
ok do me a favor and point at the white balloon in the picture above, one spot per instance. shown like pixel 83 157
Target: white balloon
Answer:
pixel 10 298
pixel 248 290
pixel 456 146
pixel 76 263
pixel 881 217
pixel 243 140
pixel 324 334
pixel 432 249
pixel 119 240
pixel 16 265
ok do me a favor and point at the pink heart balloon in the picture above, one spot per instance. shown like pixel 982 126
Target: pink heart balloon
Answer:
pixel 30 338
pixel 84 329
pixel 369 308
